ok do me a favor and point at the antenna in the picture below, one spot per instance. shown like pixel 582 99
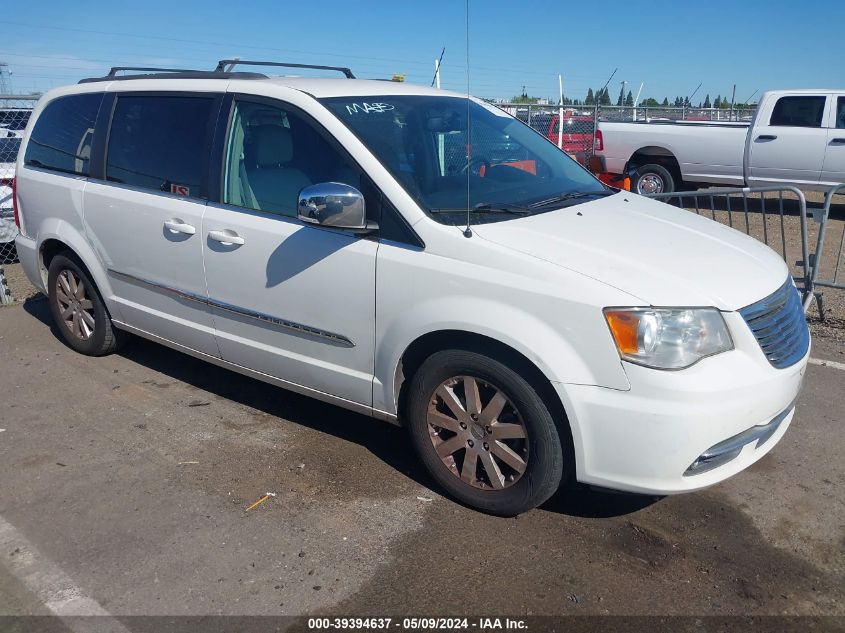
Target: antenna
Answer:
pixel 468 230
pixel 437 68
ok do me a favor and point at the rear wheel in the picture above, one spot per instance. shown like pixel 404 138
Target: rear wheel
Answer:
pixel 78 308
pixel 484 433
pixel 653 178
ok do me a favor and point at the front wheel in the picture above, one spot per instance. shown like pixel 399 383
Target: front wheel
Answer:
pixel 653 179
pixel 484 433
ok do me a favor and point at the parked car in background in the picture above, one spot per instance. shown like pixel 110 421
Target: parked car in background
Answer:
pixel 9 148
pixel 577 136
pixel 797 137
pixel 418 256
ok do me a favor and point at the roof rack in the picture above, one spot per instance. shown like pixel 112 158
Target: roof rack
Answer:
pixel 116 69
pixel 231 63
pixel 170 73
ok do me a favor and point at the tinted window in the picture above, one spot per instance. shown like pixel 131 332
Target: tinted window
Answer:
pixel 798 112
pixel 840 112
pixel 160 143
pixel 61 139
pixel 273 153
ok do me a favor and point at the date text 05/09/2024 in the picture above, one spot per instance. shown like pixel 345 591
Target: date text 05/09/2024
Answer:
pixel 418 623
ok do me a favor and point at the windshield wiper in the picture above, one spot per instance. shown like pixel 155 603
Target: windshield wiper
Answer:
pixel 490 207
pixel 572 195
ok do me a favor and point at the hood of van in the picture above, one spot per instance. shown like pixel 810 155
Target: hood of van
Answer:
pixel 663 255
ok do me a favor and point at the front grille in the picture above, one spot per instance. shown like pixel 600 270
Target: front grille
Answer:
pixel 779 326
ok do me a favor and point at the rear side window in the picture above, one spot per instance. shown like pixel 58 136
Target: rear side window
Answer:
pixel 798 112
pixel 161 143
pixel 840 112
pixel 61 139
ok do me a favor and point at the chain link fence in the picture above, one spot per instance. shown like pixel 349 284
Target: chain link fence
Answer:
pixel 15 111
pixel 14 115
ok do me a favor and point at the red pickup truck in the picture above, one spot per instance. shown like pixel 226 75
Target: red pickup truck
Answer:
pixel 577 132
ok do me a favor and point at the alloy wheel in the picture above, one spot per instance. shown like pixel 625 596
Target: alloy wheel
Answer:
pixel 75 307
pixel 478 433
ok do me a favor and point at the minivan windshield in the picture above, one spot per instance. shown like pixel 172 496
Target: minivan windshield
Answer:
pixel 454 153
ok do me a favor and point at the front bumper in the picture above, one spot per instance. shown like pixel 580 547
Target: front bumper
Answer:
pixel 648 438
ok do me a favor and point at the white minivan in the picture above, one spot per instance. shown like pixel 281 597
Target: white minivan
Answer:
pixel 418 256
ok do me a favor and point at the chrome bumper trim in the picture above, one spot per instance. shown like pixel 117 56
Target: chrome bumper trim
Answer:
pixel 725 451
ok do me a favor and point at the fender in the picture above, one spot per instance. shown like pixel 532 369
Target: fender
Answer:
pixel 538 341
pixel 63 231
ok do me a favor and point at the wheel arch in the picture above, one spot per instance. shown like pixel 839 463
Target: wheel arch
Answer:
pixel 57 236
pixel 658 155
pixel 438 340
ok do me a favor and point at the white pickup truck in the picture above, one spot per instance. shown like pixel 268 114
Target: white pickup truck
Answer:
pixel 797 137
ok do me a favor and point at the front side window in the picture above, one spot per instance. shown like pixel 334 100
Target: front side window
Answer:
pixel 273 153
pixel 798 112
pixel 840 112
pixel 160 143
pixel 453 153
pixel 61 139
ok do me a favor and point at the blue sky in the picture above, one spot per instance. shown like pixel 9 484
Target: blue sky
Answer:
pixel 671 46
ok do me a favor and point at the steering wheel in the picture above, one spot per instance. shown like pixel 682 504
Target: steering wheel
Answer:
pixel 477 163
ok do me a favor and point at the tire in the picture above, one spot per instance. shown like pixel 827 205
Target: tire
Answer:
pixel 653 178
pixel 457 435
pixel 91 333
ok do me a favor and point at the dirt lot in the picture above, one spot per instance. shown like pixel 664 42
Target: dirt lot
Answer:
pixel 126 479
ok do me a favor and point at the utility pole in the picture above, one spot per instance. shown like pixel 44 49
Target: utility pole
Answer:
pixel 733 98
pixel 637 99
pixel 560 113
pixel 5 85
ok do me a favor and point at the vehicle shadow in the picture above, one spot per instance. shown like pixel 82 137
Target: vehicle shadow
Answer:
pixel 385 441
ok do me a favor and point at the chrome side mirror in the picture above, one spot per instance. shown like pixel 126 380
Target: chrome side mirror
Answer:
pixel 332 204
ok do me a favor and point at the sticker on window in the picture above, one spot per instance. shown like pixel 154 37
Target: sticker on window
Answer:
pixel 179 190
pixel 368 108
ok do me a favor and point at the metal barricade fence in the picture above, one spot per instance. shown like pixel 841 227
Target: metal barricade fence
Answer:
pixel 824 261
pixel 777 216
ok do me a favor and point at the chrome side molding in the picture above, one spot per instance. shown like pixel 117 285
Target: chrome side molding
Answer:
pixel 293 326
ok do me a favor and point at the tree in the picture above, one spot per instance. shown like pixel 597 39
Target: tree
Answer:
pixel 524 98
pixel 621 99
pixel 651 102
pixel 605 98
pixel 665 102
pixel 590 100
pixel 629 100
pixel 707 101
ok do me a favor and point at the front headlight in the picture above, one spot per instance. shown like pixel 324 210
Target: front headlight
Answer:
pixel 668 338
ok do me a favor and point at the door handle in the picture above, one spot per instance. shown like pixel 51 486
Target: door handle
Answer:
pixel 226 237
pixel 766 137
pixel 838 141
pixel 177 225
